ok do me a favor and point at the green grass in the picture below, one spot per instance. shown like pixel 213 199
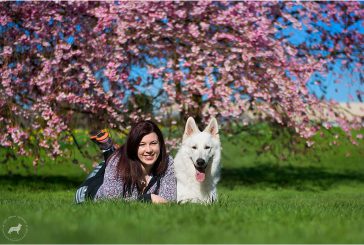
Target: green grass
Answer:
pixel 243 215
pixel 271 192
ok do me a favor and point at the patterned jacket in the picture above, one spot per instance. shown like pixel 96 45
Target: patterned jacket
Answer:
pixel 112 187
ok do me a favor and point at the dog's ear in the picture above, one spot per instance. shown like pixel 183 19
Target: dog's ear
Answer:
pixel 191 128
pixel 213 128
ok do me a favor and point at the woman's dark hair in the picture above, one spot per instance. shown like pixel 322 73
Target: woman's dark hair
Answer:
pixel 129 166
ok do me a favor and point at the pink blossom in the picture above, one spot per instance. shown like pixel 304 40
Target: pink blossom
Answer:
pixel 7 50
pixel 204 51
pixel 181 13
pixel 193 30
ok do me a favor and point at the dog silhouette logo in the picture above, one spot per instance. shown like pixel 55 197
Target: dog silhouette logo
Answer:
pixel 15 228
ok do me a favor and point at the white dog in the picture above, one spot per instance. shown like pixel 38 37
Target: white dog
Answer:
pixel 197 163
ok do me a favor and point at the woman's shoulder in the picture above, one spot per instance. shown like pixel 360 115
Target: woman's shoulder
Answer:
pixel 170 165
pixel 170 160
pixel 114 158
pixel 112 162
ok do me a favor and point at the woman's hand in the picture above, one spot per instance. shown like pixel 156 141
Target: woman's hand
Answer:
pixel 158 199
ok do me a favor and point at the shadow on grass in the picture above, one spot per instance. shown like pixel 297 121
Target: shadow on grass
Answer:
pixel 261 176
pixel 299 178
pixel 12 182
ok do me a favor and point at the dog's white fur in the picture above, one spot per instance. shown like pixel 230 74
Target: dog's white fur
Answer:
pixel 204 146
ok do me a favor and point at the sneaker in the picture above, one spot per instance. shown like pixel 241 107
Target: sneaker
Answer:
pixel 101 138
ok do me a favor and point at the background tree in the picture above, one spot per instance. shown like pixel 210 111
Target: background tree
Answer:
pixel 218 59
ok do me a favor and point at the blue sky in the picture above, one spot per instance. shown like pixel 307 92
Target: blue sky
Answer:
pixel 349 84
pixel 344 91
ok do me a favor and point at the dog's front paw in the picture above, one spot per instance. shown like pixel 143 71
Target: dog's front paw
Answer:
pixel 187 200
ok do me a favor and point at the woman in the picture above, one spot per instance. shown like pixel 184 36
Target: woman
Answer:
pixel 138 170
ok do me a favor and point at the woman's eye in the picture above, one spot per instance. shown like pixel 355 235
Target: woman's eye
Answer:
pixel 207 147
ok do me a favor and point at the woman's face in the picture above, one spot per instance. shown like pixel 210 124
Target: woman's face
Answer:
pixel 149 149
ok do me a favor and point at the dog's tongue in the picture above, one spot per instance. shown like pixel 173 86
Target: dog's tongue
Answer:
pixel 200 176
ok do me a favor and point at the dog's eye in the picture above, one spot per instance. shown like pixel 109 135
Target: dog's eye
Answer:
pixel 207 147
pixel 194 147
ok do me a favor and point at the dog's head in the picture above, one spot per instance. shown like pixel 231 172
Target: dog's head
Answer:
pixel 201 146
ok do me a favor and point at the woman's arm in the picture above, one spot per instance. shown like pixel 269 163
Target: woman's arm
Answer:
pixel 158 199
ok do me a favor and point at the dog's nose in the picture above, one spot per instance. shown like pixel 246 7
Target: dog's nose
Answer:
pixel 200 162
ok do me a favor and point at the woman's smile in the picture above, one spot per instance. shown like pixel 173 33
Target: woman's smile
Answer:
pixel 149 157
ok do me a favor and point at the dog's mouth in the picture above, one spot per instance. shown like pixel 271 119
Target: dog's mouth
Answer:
pixel 200 173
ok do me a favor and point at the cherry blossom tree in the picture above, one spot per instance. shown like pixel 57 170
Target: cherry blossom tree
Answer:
pixel 61 59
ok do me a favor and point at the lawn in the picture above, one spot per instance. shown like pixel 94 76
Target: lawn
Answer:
pixel 270 192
